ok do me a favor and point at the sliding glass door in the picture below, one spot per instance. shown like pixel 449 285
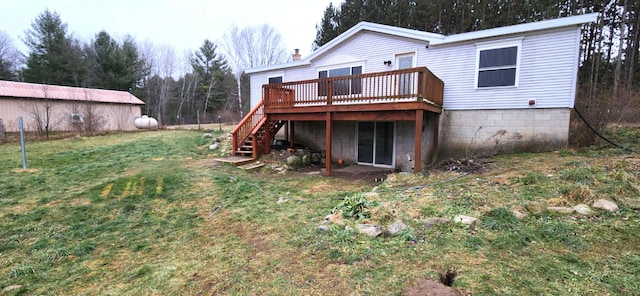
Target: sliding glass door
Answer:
pixel 375 143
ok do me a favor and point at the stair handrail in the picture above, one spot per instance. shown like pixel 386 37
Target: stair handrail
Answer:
pixel 243 130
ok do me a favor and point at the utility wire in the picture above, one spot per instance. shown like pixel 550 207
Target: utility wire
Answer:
pixel 597 133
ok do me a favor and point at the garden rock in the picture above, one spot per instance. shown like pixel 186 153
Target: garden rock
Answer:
pixel 561 210
pixel 371 195
pixel 294 161
pixel 583 209
pixel 323 228
pixel 466 220
pixel 306 160
pixel 435 221
pixel 334 218
pixel 214 146
pixel 535 207
pixel 606 205
pixel 12 287
pixel 395 228
pixel 315 158
pixel 207 136
pixel 371 230
pixel 519 215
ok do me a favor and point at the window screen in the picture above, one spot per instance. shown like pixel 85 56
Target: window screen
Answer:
pixel 498 67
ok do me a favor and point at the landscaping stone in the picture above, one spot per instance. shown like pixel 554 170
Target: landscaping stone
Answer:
pixel 371 195
pixel 315 158
pixel 519 215
pixel 583 209
pixel 466 220
pixel 371 230
pixel 535 207
pixel 207 136
pixel 605 205
pixel 561 210
pixel 214 146
pixel 395 228
pixel 435 221
pixel 334 218
pixel 323 228
pixel 306 160
pixel 294 161
pixel 12 287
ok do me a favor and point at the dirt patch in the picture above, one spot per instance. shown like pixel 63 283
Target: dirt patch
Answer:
pixel 429 287
pixel 464 165
pixel 361 173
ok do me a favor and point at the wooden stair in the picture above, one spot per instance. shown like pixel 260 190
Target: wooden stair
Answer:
pixel 246 148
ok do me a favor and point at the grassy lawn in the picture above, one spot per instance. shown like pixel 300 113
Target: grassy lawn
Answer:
pixel 151 214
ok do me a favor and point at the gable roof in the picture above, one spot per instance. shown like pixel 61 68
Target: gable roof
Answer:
pixel 66 93
pixel 433 39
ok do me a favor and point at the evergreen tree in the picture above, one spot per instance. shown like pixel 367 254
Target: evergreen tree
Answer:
pixel 214 75
pixel 328 28
pixel 54 56
pixel 118 67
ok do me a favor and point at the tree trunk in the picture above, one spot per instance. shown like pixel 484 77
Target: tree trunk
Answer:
pixel 618 71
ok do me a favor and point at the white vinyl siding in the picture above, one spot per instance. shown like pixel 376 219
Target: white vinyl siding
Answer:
pixel 546 73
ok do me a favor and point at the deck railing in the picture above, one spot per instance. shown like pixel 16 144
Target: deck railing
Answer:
pixel 407 85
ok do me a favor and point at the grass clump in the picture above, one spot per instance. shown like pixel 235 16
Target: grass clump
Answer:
pixel 499 219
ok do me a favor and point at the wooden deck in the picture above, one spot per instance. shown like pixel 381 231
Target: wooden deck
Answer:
pixel 399 95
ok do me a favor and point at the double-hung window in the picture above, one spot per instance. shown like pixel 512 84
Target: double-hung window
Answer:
pixel 344 86
pixel 498 64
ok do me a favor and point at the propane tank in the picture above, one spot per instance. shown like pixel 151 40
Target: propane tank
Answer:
pixel 146 122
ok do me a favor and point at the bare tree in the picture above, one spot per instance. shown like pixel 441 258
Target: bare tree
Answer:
pixel 252 47
pixel 42 112
pixel 10 58
pixel 187 85
pixel 90 116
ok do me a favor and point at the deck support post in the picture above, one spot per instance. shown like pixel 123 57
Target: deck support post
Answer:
pixel 328 144
pixel 286 130
pixel 417 152
pixel 268 137
pixel 291 132
pixel 436 136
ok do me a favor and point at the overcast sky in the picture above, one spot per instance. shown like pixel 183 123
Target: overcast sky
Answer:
pixel 182 24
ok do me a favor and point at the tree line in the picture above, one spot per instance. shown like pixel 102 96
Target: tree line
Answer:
pixel 212 80
pixel 206 84
pixel 608 90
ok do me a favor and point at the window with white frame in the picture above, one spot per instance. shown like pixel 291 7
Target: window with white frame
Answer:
pixel 275 79
pixel 341 87
pixel 498 64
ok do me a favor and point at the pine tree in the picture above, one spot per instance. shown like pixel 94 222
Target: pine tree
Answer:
pixel 54 56
pixel 214 75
